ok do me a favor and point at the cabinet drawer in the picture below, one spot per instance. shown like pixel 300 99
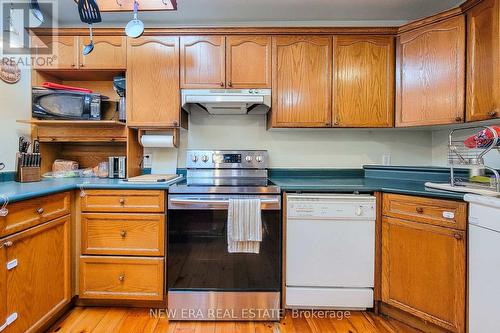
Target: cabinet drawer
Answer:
pixel 444 213
pixel 28 213
pixel 132 201
pixel 123 234
pixel 121 278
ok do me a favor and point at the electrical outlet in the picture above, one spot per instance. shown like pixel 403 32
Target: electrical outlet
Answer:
pixel 386 159
pixel 147 161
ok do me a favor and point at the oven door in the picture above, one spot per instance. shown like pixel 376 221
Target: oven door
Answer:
pixel 198 257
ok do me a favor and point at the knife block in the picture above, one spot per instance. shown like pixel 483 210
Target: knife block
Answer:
pixel 27 174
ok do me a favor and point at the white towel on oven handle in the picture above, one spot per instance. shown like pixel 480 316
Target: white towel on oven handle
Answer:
pixel 244 225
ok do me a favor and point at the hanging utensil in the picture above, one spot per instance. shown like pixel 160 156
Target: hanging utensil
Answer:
pixel 35 9
pixel 90 14
pixel 135 27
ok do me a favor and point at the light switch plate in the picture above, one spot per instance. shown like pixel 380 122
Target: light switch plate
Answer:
pixel 147 161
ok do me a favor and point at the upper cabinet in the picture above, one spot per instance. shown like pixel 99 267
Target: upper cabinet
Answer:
pixel 483 61
pixel 430 80
pixel 302 81
pixel 110 52
pixel 202 62
pixel 248 62
pixel 363 81
pixel 153 97
pixel 55 52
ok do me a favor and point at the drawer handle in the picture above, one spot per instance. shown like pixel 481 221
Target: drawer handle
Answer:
pixel 122 201
pixel 40 210
pixel 7 244
pixel 121 278
pixel 123 233
pixel 457 236
pixel 493 114
pixel 419 210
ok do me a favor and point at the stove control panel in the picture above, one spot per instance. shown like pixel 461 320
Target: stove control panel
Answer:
pixel 227 159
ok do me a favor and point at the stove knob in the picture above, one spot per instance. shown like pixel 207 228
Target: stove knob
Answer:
pixel 248 159
pixel 194 158
pixel 204 158
pixel 259 158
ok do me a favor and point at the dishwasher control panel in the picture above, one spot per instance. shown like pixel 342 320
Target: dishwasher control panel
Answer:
pixel 331 207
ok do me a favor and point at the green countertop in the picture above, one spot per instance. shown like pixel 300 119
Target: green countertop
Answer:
pixel 402 180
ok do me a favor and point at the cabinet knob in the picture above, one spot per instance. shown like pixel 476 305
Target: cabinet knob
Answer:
pixel 458 119
pixel 230 84
pixel 336 123
pixel 493 113
pixel 121 278
pixel 457 236
pixel 122 201
pixel 40 210
pixel 419 210
pixel 73 65
pixel 123 233
pixel 222 84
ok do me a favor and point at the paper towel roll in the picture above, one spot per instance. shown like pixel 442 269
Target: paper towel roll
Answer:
pixel 157 141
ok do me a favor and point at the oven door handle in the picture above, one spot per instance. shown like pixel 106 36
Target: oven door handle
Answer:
pixel 215 201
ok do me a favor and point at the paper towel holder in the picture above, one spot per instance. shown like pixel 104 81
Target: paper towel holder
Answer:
pixel 173 131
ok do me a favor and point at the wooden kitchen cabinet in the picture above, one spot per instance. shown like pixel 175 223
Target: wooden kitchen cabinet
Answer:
pixel 153 97
pixel 202 62
pixel 55 52
pixel 248 62
pixel 36 274
pixel 110 52
pixel 483 61
pixel 302 81
pixel 424 260
pixel 430 79
pixel 363 81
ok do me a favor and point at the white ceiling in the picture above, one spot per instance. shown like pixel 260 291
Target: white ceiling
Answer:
pixel 273 13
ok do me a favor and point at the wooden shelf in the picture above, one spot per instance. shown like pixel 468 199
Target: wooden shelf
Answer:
pixel 75 123
pixel 78 130
pixel 82 74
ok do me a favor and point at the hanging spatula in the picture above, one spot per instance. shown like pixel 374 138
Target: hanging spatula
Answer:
pixel 90 14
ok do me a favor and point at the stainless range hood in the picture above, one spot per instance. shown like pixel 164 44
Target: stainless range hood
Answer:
pixel 227 101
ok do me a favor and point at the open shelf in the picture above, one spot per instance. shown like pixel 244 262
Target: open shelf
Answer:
pixel 81 74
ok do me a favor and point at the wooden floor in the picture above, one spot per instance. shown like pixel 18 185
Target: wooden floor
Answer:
pixel 131 320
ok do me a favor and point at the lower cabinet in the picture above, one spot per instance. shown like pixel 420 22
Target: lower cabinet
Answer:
pixel 424 271
pixel 122 246
pixel 35 276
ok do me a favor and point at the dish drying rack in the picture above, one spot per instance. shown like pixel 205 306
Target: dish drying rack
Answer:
pixel 461 156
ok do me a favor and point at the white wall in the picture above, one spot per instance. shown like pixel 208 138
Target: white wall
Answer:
pixel 14 105
pixel 307 148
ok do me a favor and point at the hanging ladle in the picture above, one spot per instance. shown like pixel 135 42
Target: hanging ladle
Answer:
pixel 135 27
pixel 90 46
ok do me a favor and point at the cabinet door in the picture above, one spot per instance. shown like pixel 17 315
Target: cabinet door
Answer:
pixel 302 81
pixel 423 271
pixel 363 81
pixel 153 96
pixel 248 62
pixel 430 80
pixel 110 52
pixel 202 62
pixel 55 52
pixel 483 61
pixel 3 285
pixel 39 277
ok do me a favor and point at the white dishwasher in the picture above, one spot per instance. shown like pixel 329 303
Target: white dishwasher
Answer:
pixel 484 263
pixel 330 251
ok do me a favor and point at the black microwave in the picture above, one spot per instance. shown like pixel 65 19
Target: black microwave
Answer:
pixel 65 104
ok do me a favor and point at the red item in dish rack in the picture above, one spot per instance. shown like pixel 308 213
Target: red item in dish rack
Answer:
pixel 52 85
pixel 482 139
